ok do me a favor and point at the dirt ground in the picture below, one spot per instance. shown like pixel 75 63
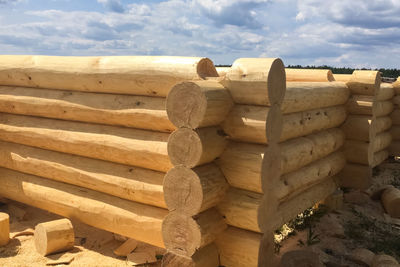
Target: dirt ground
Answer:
pixel 333 235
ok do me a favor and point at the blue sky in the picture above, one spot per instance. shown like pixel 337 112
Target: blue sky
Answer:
pixel 356 33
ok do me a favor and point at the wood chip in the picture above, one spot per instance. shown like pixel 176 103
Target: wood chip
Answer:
pixel 126 248
pixel 64 259
pixel 138 258
pixel 26 232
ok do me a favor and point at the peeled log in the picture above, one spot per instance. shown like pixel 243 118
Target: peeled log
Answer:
pixel 294 183
pixel 394 149
pixel 358 127
pixel 184 235
pixel 301 96
pixel 136 184
pixel 198 104
pixel 386 92
pixel 364 82
pixel 192 148
pixel 342 77
pixel 358 151
pixel 395 132
pixel 396 86
pixel 379 157
pixel 4 229
pixel 253 124
pixel 135 147
pixel 391 201
pixel 395 116
pixel 381 141
pixel 307 122
pixel 355 176
pixel 396 101
pixel 366 105
pixel 142 112
pixel 222 71
pixel 54 236
pixel 204 257
pixel 113 214
pixel 381 124
pixel 240 248
pixel 240 209
pixel 256 81
pixel 309 75
pixel 191 191
pixel 134 75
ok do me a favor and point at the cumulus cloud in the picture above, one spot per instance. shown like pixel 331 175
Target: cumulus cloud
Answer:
pixel 113 5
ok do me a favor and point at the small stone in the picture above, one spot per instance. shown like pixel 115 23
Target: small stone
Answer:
pixel 331 226
pixel 384 260
pixel 362 256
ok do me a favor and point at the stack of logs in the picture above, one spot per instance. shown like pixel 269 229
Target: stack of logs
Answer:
pixel 394 148
pixel 86 137
pixel 366 128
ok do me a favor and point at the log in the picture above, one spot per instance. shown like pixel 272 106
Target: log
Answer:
pixel 253 124
pixel 191 191
pixel 342 77
pixel 386 92
pixel 302 96
pixel 256 81
pixel 54 236
pixel 198 104
pixel 379 157
pixel 395 116
pixel 394 148
pixel 134 147
pixel 240 248
pixel 309 75
pixel 391 201
pixel 142 112
pixel 396 101
pixel 136 184
pixel 294 183
pixel 307 122
pixel 4 229
pixel 381 141
pixel 364 82
pixel 240 208
pixel 396 86
pixel 358 151
pixel 113 214
pixel 222 71
pixel 395 132
pixel 132 75
pixel 358 127
pixel 381 124
pixel 204 257
pixel 365 105
pixel 192 148
pixel 355 176
pixel 184 235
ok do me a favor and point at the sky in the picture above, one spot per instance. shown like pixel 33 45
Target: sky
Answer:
pixel 341 33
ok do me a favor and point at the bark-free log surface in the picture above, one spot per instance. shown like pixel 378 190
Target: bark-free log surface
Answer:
pixel 307 122
pixel 204 257
pixel 309 75
pixel 137 75
pixel 113 214
pixel 240 209
pixel 132 183
pixel 240 248
pixel 379 157
pixel 301 96
pixel 366 105
pixel 4 228
pixel 395 116
pixel 222 71
pixel 198 104
pixel 364 82
pixel 396 101
pixel 386 92
pixel 256 81
pixel 143 112
pixel 358 127
pixel 184 235
pixel 192 148
pixel 191 191
pixel 54 236
pixel 355 176
pixel 253 124
pixel 395 132
pixel 135 147
pixel 394 148
pixel 391 201
pixel 342 77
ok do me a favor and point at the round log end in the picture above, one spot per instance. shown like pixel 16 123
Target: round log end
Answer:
pixel 186 105
pixel 181 234
pixel 274 124
pixel 276 82
pixel 183 190
pixel 4 228
pixel 185 147
pixel 271 167
pixel 206 68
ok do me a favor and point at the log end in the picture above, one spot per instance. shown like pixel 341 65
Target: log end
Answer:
pixel 274 124
pixel 4 228
pixel 276 81
pixel 206 68
pixel 185 147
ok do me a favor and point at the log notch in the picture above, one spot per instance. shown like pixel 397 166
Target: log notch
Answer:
pixel 134 147
pixel 137 75
pixel 302 96
pixel 222 71
pixel 256 81
pixel 113 214
pixel 205 257
pixel 135 184
pixel 192 148
pixel 364 82
pixel 198 104
pixel 54 236
pixel 309 75
pixel 386 92
pixel 365 105
pixel 4 229
pixel 142 112
pixel 342 77
pixel 185 235
pixel 191 191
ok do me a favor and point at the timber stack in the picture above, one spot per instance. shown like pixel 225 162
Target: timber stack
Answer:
pixel 394 149
pixel 367 127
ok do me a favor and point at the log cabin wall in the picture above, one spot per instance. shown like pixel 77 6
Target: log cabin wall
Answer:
pixel 394 149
